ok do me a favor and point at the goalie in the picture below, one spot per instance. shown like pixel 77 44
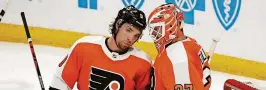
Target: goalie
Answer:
pixel 181 62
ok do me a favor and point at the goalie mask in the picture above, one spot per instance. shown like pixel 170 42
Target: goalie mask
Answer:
pixel 165 24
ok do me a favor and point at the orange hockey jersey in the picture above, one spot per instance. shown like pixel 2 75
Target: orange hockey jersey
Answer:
pixel 92 66
pixel 181 66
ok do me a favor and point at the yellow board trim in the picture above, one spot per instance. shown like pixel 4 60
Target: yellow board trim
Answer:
pixel 64 39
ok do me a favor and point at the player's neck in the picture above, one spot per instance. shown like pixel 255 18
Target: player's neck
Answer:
pixel 112 46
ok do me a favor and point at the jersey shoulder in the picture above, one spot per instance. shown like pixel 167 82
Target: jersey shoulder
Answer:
pixel 191 44
pixel 176 52
pixel 141 54
pixel 89 40
pixel 86 42
pixel 191 41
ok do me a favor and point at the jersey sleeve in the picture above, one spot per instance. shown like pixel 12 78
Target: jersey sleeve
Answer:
pixel 206 74
pixel 206 79
pixel 67 71
pixel 143 74
pixel 143 78
pixel 204 60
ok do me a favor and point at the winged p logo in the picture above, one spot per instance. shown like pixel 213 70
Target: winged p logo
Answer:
pixel 101 79
pixel 227 11
pixel 136 3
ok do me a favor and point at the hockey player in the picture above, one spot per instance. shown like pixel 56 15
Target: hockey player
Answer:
pixel 99 63
pixel 181 63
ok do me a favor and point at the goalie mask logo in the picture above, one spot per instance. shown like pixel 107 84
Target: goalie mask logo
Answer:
pixel 136 3
pixel 101 79
pixel 227 11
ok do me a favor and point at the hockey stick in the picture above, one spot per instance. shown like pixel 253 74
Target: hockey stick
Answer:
pixel 206 69
pixel 3 10
pixel 32 50
pixel 230 84
pixel 212 48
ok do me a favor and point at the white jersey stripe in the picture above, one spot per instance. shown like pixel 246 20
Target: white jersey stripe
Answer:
pixel 178 56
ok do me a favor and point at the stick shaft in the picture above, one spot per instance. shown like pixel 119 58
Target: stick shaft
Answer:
pixel 32 50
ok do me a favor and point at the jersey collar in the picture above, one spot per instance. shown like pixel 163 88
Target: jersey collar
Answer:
pixel 114 55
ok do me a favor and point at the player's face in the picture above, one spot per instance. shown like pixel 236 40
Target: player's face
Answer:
pixel 127 36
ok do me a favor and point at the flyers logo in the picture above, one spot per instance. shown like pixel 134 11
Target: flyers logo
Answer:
pixel 101 79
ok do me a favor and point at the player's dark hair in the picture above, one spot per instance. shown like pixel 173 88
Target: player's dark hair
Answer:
pixel 130 15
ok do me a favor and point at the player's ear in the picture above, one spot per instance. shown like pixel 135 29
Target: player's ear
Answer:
pixel 118 23
pixel 140 36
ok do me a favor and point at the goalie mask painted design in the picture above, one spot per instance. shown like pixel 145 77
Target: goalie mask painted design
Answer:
pixel 164 25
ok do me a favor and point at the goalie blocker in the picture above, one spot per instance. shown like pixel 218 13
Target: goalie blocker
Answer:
pixel 232 84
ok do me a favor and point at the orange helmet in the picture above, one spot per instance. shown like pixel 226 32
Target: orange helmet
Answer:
pixel 164 25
